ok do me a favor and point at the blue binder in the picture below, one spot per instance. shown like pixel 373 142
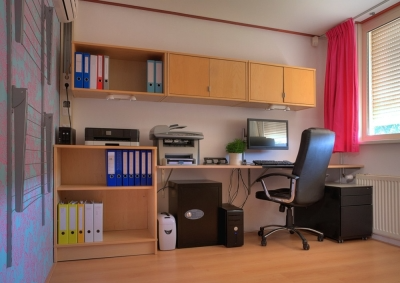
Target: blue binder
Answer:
pixel 118 167
pixel 143 168
pixel 137 168
pixel 149 173
pixel 150 76
pixel 125 167
pixel 158 76
pixel 78 74
pixel 86 70
pixel 131 163
pixel 110 167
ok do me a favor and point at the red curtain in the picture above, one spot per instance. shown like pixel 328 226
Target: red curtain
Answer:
pixel 341 87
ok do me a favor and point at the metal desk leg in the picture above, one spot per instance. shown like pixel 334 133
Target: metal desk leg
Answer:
pixel 249 179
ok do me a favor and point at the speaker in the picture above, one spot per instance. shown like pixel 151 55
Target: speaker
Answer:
pixel 194 204
pixel 230 219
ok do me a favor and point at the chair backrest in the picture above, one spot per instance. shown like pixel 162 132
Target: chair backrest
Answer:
pixel 312 161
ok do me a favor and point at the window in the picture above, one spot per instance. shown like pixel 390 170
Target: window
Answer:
pixel 381 78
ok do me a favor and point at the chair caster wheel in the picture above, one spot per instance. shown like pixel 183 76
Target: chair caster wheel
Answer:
pixel 306 246
pixel 320 238
pixel 291 232
pixel 261 232
pixel 263 242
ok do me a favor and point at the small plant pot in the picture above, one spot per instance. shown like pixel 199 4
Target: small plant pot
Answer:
pixel 235 159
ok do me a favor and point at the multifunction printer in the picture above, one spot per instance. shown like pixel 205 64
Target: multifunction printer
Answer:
pixel 176 147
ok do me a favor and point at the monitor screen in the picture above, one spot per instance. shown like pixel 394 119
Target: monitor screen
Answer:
pixel 267 134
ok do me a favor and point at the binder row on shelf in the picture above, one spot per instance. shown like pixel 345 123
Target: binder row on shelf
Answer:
pixel 154 76
pixel 128 167
pixel 80 222
pixel 91 71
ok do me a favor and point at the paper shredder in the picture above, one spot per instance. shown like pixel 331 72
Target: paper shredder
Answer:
pixel 166 231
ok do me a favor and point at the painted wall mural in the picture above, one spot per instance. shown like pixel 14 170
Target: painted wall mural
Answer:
pixel 26 237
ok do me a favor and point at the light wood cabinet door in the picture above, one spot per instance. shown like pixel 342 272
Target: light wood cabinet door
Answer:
pixel 228 79
pixel 266 83
pixel 189 75
pixel 299 86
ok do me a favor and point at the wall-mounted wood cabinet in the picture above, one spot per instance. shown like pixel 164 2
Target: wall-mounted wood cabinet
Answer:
pixel 197 79
pixel 127 71
pixel 220 80
pixel 282 85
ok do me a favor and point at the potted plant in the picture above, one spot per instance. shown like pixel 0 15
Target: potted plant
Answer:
pixel 235 150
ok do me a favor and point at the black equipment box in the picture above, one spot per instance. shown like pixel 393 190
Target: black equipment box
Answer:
pixel 65 135
pixel 194 204
pixel 230 219
pixel 111 136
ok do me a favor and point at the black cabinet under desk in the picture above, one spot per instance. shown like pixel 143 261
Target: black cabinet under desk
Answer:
pixel 344 213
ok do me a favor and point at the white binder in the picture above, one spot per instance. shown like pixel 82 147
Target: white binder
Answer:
pixel 93 71
pixel 98 222
pixel 88 222
pixel 106 77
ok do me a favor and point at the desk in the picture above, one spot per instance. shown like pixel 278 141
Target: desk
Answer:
pixel 248 167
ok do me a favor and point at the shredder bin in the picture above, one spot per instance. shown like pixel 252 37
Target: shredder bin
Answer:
pixel 166 231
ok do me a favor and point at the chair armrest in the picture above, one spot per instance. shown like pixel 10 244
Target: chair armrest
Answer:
pixel 292 178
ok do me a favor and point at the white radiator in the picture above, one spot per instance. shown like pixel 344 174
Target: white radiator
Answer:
pixel 386 203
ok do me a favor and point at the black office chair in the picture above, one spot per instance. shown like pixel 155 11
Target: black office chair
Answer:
pixel 307 181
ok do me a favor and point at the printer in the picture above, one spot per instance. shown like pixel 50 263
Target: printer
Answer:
pixel 176 147
pixel 110 136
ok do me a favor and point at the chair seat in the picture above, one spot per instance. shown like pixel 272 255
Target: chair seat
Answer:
pixel 279 193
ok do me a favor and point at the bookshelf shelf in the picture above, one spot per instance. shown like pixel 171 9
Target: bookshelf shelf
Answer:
pixel 129 213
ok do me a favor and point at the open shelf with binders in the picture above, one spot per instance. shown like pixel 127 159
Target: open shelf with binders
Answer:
pixel 129 212
pixel 127 71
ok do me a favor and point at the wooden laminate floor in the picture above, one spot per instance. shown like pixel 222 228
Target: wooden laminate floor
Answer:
pixel 282 260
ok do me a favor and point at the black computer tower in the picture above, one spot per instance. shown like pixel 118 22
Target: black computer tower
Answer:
pixel 194 204
pixel 230 220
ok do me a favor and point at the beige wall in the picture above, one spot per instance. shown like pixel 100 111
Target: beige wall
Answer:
pixel 128 27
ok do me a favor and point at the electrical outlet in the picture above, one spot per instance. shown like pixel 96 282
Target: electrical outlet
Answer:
pixel 67 104
pixel 66 78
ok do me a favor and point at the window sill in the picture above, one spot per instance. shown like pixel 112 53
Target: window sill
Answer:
pixel 378 142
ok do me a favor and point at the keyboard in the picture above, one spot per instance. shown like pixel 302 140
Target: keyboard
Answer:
pixel 273 163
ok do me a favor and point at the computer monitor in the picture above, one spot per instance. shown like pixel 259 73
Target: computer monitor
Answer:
pixel 267 134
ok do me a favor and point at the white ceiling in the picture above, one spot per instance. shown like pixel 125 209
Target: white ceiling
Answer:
pixel 304 16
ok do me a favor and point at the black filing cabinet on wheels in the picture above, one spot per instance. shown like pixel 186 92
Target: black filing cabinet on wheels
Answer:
pixel 344 213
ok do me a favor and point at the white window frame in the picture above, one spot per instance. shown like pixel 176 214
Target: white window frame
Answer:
pixel 362 33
